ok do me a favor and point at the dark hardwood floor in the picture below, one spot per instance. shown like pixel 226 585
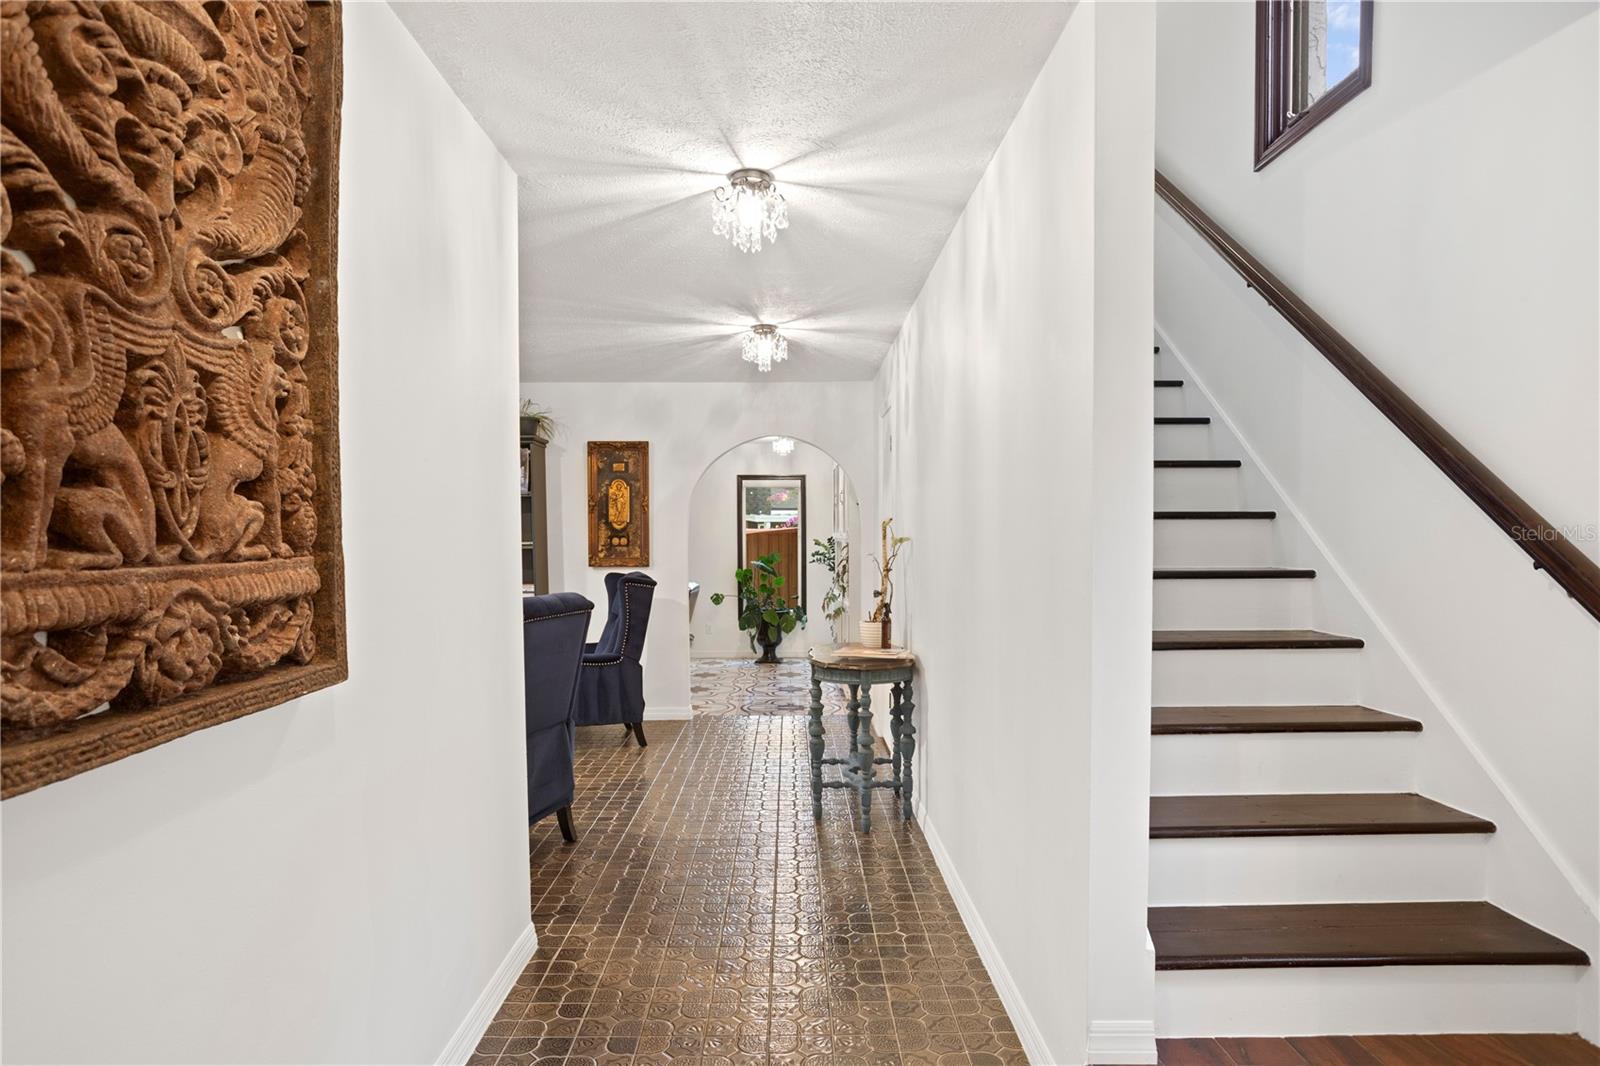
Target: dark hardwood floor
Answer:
pixel 1306 814
pixel 1167 721
pixel 1459 1050
pixel 1450 933
pixel 1247 639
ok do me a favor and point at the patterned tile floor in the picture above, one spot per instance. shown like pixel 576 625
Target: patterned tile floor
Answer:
pixel 703 917
pixel 738 686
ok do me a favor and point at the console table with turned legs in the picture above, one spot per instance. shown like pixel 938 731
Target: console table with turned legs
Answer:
pixel 858 668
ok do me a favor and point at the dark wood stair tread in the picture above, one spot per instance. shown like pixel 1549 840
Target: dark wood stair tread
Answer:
pixel 1169 383
pixel 1198 464
pixel 1177 721
pixel 1214 516
pixel 1220 573
pixel 1465 933
pixel 1183 420
pixel 1248 639
pixel 1307 814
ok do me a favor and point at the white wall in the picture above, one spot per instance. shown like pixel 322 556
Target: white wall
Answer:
pixel 713 546
pixel 1444 220
pixel 335 879
pixel 689 425
pixel 1121 957
pixel 1000 465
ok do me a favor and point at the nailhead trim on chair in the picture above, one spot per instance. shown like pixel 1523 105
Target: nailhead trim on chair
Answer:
pixel 627 620
pixel 563 614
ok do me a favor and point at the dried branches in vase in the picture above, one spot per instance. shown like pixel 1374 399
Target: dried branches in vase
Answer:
pixel 875 627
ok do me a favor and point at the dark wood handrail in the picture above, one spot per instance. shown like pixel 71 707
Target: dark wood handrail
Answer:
pixel 1550 550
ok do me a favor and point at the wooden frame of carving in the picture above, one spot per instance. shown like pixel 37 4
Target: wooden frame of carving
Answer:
pixel 172 555
pixel 619 503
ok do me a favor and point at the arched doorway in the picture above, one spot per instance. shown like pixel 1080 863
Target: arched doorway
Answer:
pixel 755 498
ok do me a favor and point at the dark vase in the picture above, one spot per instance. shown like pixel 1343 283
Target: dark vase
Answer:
pixel 531 427
pixel 769 638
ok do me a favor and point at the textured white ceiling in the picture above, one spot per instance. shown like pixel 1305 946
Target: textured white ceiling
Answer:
pixel 876 119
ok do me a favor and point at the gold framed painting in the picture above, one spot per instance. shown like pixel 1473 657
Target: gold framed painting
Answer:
pixel 619 503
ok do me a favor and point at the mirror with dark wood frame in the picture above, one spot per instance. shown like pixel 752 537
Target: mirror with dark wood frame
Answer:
pixel 772 521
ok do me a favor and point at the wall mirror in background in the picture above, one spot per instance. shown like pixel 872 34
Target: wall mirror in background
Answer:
pixel 772 521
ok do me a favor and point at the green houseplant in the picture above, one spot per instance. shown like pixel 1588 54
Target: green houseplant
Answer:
pixel 764 612
pixel 833 555
pixel 538 421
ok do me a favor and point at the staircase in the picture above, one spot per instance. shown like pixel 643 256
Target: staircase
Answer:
pixel 1297 883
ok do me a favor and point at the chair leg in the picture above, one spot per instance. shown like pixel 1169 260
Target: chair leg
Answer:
pixel 627 730
pixel 638 733
pixel 564 817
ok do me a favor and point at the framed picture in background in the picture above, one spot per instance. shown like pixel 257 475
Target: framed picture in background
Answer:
pixel 619 503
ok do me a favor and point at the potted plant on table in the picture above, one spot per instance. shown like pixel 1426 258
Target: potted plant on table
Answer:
pixel 764 612
pixel 875 627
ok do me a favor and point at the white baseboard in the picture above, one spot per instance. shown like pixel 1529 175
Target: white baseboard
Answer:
pixel 668 714
pixel 1032 1040
pixel 467 1035
pixel 1122 1043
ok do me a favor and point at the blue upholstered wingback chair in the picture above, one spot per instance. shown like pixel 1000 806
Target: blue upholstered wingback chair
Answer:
pixel 611 683
pixel 553 628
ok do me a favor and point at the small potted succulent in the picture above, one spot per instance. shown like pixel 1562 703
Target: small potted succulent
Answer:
pixel 875 627
pixel 764 612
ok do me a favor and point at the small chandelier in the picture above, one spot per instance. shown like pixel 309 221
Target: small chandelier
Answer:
pixel 748 208
pixel 764 345
pixel 782 446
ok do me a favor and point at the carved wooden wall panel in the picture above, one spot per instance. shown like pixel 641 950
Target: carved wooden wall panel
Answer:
pixel 619 503
pixel 169 509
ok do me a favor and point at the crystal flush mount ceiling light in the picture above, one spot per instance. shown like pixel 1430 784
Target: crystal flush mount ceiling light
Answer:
pixel 764 345
pixel 748 208
pixel 782 446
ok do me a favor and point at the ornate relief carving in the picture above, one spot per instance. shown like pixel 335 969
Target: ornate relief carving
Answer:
pixel 169 551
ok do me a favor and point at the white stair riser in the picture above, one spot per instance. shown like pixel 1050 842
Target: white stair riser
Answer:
pixel 1172 402
pixel 1187 542
pixel 1233 603
pixel 1376 999
pixel 1167 366
pixel 1200 489
pixel 1219 871
pixel 1186 442
pixel 1230 764
pixel 1225 678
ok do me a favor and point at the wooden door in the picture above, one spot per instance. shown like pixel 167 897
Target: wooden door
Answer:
pixel 785 543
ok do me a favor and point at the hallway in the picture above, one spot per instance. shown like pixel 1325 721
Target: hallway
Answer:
pixel 701 917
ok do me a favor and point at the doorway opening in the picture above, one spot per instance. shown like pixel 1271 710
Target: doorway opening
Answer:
pixel 790 499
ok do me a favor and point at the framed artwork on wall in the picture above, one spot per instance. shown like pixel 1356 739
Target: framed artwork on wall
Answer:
pixel 619 503
pixel 172 556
